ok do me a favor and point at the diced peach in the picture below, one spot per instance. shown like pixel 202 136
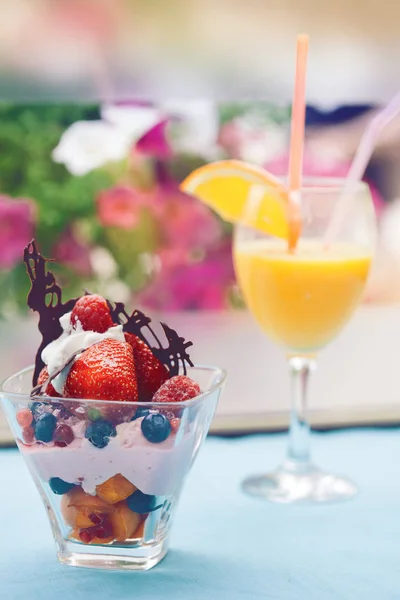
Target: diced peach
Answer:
pixel 139 533
pixel 124 522
pixel 82 518
pixel 79 499
pixel 115 489
pixel 68 512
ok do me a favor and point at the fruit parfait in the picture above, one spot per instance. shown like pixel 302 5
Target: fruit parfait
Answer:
pixel 109 422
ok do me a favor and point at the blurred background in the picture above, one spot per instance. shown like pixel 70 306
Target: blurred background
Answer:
pixel 106 105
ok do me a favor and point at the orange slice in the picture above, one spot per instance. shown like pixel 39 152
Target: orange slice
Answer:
pixel 243 193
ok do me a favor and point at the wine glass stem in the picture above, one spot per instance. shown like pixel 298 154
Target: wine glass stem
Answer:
pixel 298 456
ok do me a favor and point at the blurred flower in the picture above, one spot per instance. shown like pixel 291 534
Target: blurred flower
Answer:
pixel 247 139
pixel 154 142
pixel 103 263
pixel 134 118
pixel 73 252
pixel 17 218
pixel 194 126
pixel 120 206
pixel 187 223
pixel 181 285
pixel 88 145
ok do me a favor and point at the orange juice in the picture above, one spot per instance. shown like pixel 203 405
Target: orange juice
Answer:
pixel 301 300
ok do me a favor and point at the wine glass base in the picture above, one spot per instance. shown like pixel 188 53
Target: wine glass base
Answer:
pixel 305 485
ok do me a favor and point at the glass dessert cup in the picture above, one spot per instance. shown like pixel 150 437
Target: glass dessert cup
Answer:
pixel 302 300
pixel 110 494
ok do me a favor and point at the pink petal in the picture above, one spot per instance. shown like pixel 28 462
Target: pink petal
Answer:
pixel 155 142
pixel 17 218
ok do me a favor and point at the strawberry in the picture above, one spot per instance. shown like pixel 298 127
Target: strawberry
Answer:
pixel 150 372
pixel 105 371
pixel 93 313
pixel 50 391
pixel 177 389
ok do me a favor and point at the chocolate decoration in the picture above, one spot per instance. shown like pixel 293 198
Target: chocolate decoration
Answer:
pixel 45 297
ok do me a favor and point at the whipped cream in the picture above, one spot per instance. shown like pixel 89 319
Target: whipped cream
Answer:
pixel 56 354
pixel 157 469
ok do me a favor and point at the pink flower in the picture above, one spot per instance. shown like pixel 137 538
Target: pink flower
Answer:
pixel 154 142
pixel 70 251
pixel 186 222
pixel 191 286
pixel 120 206
pixel 189 224
pixel 17 218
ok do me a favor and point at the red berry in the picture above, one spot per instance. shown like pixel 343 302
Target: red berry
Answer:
pixel 63 435
pixel 93 313
pixel 177 389
pixel 86 536
pixel 28 435
pixel 105 371
pixel 24 417
pixel 150 371
pixel 43 377
pixel 97 518
pixel 104 530
pixel 175 422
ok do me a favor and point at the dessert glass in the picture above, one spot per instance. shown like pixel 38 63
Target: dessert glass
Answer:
pixel 126 491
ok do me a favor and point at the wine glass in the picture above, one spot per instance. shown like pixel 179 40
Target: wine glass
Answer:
pixel 302 300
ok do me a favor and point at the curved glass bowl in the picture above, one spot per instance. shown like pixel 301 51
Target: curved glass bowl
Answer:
pixel 111 491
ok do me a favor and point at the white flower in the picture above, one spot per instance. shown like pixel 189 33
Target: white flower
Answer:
pixel 88 145
pixel 262 141
pixel 103 263
pixel 195 125
pixel 135 120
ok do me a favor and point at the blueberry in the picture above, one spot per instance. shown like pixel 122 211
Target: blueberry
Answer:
pixel 99 433
pixel 142 503
pixel 36 408
pixel 44 427
pixel 141 412
pixel 59 486
pixel 156 427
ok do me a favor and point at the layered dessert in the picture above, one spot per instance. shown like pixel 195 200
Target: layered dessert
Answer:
pixel 113 423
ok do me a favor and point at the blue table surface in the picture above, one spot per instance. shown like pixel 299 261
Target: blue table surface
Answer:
pixel 227 545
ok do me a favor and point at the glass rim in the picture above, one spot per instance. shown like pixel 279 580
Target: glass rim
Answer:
pixel 221 374
pixel 323 184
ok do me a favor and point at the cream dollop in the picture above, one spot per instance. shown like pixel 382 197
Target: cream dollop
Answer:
pixel 56 354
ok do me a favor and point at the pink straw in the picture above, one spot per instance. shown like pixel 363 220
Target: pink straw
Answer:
pixel 297 140
pixel 360 162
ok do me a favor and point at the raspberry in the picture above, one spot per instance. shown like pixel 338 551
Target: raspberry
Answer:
pixel 63 435
pixel 105 371
pixel 50 391
pixel 177 389
pixel 150 372
pixel 93 314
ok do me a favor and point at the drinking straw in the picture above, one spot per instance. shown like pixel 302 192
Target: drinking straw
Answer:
pixel 297 141
pixel 360 162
